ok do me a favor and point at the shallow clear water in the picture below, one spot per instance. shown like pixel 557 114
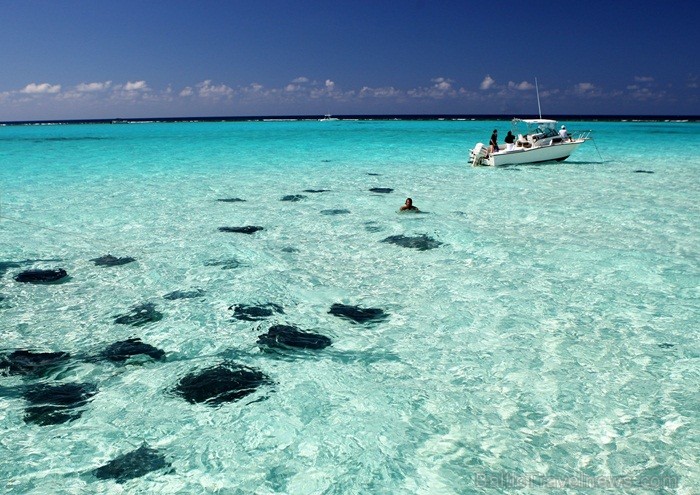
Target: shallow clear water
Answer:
pixel 550 340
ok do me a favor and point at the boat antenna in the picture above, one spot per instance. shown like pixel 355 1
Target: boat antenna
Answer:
pixel 539 109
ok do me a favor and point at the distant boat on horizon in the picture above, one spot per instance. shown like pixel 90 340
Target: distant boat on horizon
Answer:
pixel 327 118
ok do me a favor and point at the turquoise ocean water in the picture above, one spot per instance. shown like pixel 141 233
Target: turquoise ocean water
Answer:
pixel 548 345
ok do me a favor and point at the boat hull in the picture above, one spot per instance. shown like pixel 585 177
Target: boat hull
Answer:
pixel 518 156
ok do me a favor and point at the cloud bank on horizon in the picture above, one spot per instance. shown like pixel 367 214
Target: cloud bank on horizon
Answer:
pixel 307 96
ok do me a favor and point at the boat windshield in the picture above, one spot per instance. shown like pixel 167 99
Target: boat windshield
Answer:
pixel 546 131
pixel 537 127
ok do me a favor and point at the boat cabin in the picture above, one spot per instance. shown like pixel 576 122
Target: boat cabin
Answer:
pixel 537 132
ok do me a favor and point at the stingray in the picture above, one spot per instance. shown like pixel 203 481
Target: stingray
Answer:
pixel 335 212
pixel 121 351
pixel 421 242
pixel 293 197
pixel 373 227
pixel 381 190
pixel 228 264
pixel 225 382
pixel 4 265
pixel 255 313
pixel 248 229
pixel 109 260
pixel 356 314
pixel 56 404
pixel 132 465
pixel 140 315
pixel 286 336
pixel 42 276
pixel 184 294
pixel 26 362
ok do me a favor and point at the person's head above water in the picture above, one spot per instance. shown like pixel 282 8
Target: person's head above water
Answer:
pixel 408 205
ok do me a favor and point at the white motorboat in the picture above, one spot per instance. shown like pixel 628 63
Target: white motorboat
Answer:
pixel 541 142
pixel 327 118
pixel 538 142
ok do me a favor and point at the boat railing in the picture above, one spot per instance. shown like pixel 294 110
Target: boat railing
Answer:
pixel 585 135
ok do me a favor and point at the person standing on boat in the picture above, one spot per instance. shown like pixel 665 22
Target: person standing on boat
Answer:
pixel 510 139
pixel 493 143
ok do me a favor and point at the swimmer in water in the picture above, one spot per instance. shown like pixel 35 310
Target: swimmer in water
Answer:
pixel 409 206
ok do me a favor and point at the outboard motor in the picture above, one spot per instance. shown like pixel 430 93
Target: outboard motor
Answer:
pixel 478 154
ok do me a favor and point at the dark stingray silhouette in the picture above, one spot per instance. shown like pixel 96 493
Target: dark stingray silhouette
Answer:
pixel 372 226
pixel 421 242
pixel 140 315
pixel 255 313
pixel 109 260
pixel 42 276
pixel 225 382
pixel 227 264
pixel 248 229
pixel 231 200
pixel 184 294
pixel 356 314
pixel 286 336
pixel 293 197
pixel 56 404
pixel 335 212
pixel 132 465
pixel 26 362
pixel 4 265
pixel 120 352
pixel 382 190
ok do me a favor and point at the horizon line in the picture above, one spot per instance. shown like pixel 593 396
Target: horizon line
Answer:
pixel 311 117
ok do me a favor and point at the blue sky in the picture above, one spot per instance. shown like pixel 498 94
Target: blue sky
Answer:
pixel 73 59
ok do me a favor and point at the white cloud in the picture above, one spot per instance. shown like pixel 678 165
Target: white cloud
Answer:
pixel 44 88
pixel 93 86
pixel 584 87
pixel 136 86
pixel 487 83
pixel 186 92
pixel 300 80
pixel 387 92
pixel 440 89
pixel 328 90
pixel 442 84
pixel 523 86
pixel 206 89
